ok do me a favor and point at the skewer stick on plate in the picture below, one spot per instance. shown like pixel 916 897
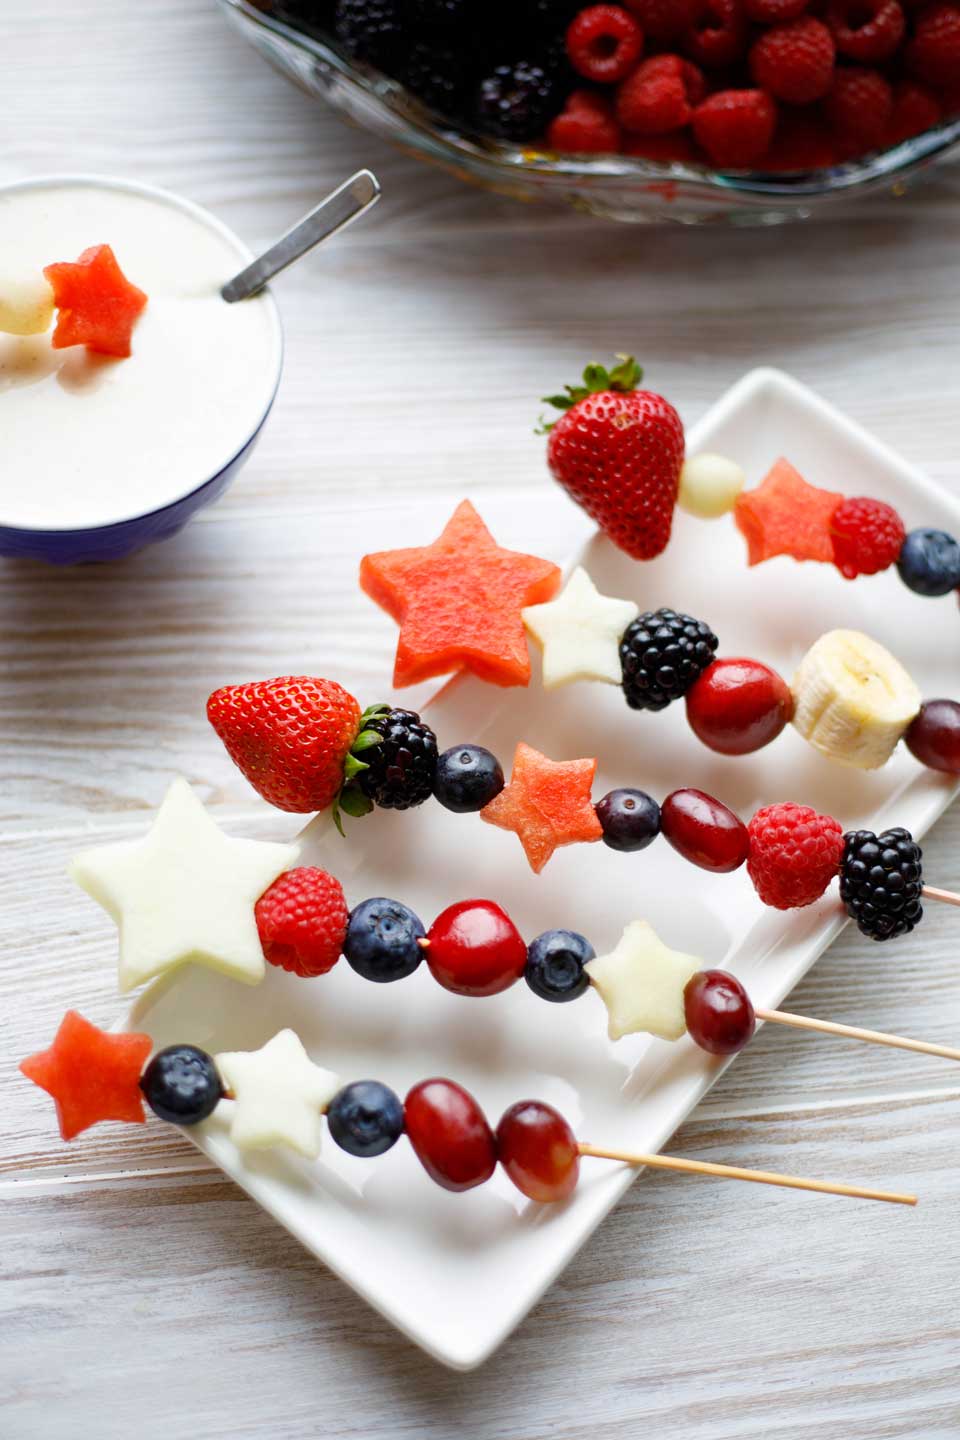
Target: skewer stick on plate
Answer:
pixel 734 1172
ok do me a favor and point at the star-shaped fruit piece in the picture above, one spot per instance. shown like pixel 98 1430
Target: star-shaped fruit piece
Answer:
pixel 96 304
pixel 184 892
pixel 458 602
pixel 91 1074
pixel 580 632
pixel 279 1095
pixel 547 804
pixel 786 516
pixel 641 983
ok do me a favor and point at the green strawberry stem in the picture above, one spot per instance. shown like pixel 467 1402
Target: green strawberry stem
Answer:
pixel 351 799
pixel 596 379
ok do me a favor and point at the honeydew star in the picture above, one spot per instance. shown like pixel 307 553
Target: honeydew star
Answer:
pixel 183 892
pixel 641 982
pixel 279 1095
pixel 579 632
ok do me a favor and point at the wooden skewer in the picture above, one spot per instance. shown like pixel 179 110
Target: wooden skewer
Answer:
pixel 854 1032
pixel 948 897
pixel 734 1172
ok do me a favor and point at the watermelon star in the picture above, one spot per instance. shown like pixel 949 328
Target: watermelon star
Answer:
pixel 96 304
pixel 458 602
pixel 547 804
pixel 91 1074
pixel 785 515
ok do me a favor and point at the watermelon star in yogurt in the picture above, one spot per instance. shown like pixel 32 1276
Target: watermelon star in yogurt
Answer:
pixel 547 803
pixel 91 1074
pixel 458 602
pixel 96 304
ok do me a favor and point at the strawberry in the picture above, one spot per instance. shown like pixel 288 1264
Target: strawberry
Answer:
pixel 617 451
pixel 291 737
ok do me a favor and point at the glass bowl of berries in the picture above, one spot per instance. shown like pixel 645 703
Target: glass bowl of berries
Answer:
pixel 697 111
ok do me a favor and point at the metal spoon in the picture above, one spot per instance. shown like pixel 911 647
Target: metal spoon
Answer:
pixel 340 208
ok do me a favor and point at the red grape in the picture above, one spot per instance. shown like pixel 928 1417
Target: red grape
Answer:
pixel 718 1012
pixel 449 1134
pixel 538 1150
pixel 934 736
pixel 704 831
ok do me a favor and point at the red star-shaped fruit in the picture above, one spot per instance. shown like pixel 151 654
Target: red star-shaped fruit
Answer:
pixel 547 803
pixel 91 1074
pixel 96 304
pixel 786 516
pixel 458 602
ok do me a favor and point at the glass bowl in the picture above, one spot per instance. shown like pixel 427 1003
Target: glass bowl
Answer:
pixel 614 186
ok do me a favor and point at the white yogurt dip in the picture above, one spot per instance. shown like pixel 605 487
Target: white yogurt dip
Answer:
pixel 86 440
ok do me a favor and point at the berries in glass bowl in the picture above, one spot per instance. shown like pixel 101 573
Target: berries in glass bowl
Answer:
pixel 775 86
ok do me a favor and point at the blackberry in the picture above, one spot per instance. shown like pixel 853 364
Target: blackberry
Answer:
pixel 373 30
pixel 438 74
pixel 517 101
pixel 881 880
pixel 314 14
pixel 400 770
pixel 661 655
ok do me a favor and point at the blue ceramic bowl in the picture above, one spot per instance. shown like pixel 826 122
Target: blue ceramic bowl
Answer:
pixel 115 539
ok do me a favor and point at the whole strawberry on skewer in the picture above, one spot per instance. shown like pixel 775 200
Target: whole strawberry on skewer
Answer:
pixel 618 451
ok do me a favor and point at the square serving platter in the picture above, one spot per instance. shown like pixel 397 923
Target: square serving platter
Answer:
pixel 456 1273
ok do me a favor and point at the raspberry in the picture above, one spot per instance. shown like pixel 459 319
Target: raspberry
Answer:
pixel 660 95
pixel 674 149
pixel 859 105
pixel 587 125
pixel 604 42
pixel 795 61
pixel 867 537
pixel 302 921
pixel 866 30
pixel 735 127
pixel 915 109
pixel 774 12
pixel 716 34
pixel 802 143
pixel 933 54
pixel 794 854
pixel 662 20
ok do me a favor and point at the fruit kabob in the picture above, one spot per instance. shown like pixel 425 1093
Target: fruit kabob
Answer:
pixel 618 451
pixel 304 745
pixel 185 893
pixel 463 604
pixel 276 1096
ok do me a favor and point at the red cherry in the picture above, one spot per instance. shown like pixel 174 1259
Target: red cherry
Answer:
pixel 475 949
pixel 704 831
pixel 738 706
pixel 718 1012
pixel 449 1134
pixel 538 1150
pixel 934 736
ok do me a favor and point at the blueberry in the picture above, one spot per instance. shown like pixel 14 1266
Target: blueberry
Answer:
pixel 630 819
pixel 365 1118
pixel 929 562
pixel 555 962
pixel 181 1085
pixel 381 940
pixel 467 778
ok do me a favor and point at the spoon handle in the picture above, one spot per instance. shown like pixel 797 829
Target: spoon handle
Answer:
pixel 339 208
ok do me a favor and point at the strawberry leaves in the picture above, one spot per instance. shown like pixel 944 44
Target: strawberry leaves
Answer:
pixel 351 799
pixel 623 377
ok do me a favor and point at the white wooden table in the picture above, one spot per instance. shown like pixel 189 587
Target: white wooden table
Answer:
pixel 141 1291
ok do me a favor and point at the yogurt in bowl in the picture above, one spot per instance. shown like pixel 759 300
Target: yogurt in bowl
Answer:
pixel 104 455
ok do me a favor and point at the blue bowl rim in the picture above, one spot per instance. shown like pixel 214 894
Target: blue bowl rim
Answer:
pixel 156 192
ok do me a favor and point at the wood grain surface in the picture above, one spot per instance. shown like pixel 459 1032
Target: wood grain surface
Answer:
pixel 141 1293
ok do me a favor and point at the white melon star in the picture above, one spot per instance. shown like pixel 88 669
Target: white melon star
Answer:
pixel 579 632
pixel 279 1095
pixel 183 892
pixel 641 983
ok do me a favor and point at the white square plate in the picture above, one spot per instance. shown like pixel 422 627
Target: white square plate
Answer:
pixel 457 1272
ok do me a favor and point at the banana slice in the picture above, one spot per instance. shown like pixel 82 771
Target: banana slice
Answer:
pixel 852 699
